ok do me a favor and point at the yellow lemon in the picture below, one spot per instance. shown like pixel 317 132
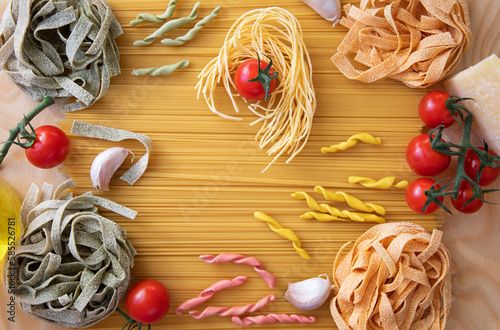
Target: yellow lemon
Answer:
pixel 10 229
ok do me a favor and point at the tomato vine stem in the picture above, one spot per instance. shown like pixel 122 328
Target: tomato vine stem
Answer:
pixel 131 323
pixel 20 128
pixel 264 76
pixel 455 106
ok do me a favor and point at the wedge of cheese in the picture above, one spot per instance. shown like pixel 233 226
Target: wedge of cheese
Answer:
pixel 482 83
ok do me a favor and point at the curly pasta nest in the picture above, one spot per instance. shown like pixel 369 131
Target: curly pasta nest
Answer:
pixel 72 265
pixel 396 276
pixel 64 49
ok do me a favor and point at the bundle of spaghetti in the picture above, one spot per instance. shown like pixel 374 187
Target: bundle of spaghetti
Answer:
pixel 241 259
pixel 287 117
pixel 232 311
pixel 209 292
pixel 396 276
pixel 272 318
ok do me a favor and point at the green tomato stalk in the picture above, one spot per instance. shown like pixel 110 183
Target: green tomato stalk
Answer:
pixel 131 323
pixel 461 114
pixel 29 137
pixel 263 76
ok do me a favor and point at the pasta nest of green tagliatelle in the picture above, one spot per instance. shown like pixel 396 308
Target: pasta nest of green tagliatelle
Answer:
pixel 63 49
pixel 72 265
pixel 286 119
pixel 396 276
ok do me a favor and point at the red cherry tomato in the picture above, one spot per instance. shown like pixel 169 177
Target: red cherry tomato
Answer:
pixel 50 147
pixel 148 301
pixel 432 109
pixel 464 194
pixel 472 164
pixel 415 195
pixel 252 90
pixel 423 160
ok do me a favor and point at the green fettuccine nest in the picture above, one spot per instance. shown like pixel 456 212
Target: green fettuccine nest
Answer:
pixel 72 265
pixel 60 48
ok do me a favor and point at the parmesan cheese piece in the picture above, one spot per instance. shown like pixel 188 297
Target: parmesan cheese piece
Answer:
pixel 482 83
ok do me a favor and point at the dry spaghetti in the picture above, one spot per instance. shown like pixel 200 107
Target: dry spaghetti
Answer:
pixel 287 117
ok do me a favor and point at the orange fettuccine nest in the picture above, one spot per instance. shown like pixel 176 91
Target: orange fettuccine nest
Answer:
pixel 397 276
pixel 417 42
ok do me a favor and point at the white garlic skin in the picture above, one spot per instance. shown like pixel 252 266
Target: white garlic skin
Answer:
pixel 309 294
pixel 328 9
pixel 105 165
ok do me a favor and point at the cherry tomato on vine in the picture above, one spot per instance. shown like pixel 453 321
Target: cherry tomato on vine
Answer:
pixel 472 164
pixel 148 301
pixel 464 194
pixel 50 148
pixel 423 160
pixel 415 195
pixel 432 109
pixel 255 79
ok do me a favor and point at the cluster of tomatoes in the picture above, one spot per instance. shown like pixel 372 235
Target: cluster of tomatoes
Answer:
pixel 425 161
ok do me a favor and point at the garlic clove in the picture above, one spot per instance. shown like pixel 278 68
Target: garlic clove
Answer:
pixel 309 294
pixel 105 165
pixel 328 9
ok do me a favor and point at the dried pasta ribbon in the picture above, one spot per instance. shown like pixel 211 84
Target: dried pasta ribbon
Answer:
pixel 209 292
pixel 241 259
pixel 112 134
pixel 384 183
pixel 169 26
pixel 350 200
pixel 272 318
pixel 164 70
pixel 346 215
pixel 396 276
pixel 417 42
pixel 156 18
pixel 192 33
pixel 62 49
pixel 232 311
pixel 72 266
pixel 284 232
pixel 351 142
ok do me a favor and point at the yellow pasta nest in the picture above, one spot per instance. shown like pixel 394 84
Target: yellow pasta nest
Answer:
pixel 396 276
pixel 286 119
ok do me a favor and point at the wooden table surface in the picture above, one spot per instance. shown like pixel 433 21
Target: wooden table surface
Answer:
pixel 472 240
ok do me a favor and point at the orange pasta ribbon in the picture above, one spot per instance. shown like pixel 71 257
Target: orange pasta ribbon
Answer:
pixel 417 42
pixel 396 276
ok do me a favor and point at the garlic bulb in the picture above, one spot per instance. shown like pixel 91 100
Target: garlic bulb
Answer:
pixel 105 165
pixel 309 294
pixel 328 9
